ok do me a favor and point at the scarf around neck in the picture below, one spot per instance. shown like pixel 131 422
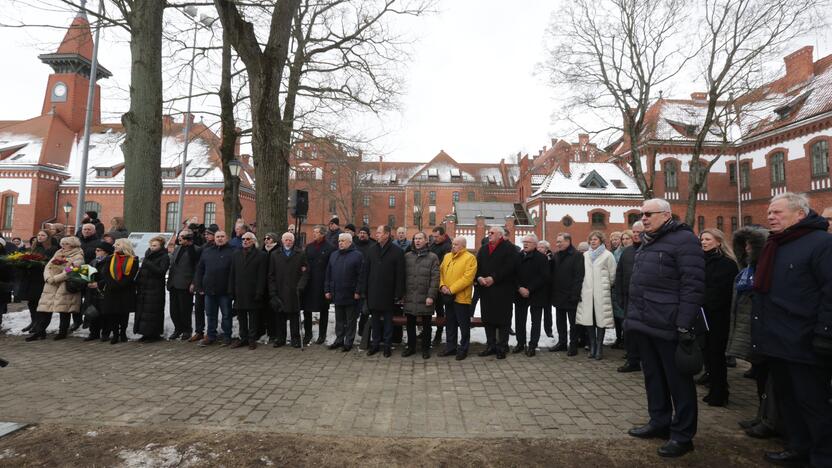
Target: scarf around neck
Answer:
pixel 765 264
pixel 595 253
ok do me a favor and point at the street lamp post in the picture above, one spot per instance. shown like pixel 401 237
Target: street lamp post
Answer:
pixel 235 168
pixel 207 21
pixel 67 209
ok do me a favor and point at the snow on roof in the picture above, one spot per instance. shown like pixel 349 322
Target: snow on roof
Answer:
pixel 22 148
pixel 558 183
pixel 467 212
pixel 681 120
pixel 105 153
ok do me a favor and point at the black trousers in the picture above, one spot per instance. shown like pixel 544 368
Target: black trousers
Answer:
pixel 547 320
pixel 619 327
pixel 440 312
pixel 199 313
pixel 322 323
pixel 43 319
pixel 181 307
pixel 575 331
pixel 715 361
pixel 496 337
pixel 378 317
pixel 521 312
pixel 294 327
pixel 117 324
pixel 426 331
pixel 631 346
pixel 667 389
pixel 459 316
pixel 33 311
pixel 803 392
pixel 345 316
pixel 247 319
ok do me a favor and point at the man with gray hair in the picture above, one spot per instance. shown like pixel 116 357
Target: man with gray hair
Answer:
pixel 288 274
pixel 792 326
pixel 496 277
pixel 318 251
pixel 531 293
pixel 667 290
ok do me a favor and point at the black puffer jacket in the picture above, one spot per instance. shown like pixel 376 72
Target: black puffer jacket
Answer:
pixel 739 334
pixel 150 297
pixel 667 288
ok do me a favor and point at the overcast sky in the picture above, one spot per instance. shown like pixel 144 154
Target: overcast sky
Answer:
pixel 471 86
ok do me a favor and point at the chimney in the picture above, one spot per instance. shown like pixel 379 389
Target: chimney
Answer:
pixel 544 148
pixel 799 65
pixel 699 97
pixel 188 116
pixel 583 139
pixel 380 164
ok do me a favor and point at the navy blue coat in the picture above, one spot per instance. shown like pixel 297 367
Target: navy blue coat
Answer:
pixel 799 303
pixel 343 275
pixel 667 286
pixel 213 270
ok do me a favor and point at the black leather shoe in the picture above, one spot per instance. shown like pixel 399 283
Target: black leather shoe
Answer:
pixel 60 336
pixel 91 338
pixel 718 400
pixel 760 431
pixel 336 345
pixel 501 355
pixel 296 344
pixel 786 457
pixel 674 449
pixel 518 349
pixel 278 344
pixel 320 340
pixel 372 351
pixel 346 349
pixel 530 352
pixel 560 346
pixel 426 354
pixel 461 356
pixel 114 339
pixel 649 432
pixel 749 423
pixel 407 352
pixel 629 368
pixel 573 351
pixel 174 336
pixel 487 352
pixel 450 352
pixel 387 352
pixel 35 337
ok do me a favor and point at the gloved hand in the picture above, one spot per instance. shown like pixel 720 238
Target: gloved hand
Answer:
pixel 823 347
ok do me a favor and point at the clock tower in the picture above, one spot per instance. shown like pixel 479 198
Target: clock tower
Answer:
pixel 67 87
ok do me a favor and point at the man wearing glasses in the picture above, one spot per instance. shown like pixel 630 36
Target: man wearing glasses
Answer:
pixel 247 287
pixel 496 278
pixel 183 263
pixel 667 290
pixel 288 274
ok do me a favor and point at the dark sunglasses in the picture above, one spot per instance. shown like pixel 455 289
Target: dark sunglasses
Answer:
pixel 647 214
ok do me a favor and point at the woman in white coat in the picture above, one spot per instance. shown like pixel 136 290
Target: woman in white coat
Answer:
pixel 595 309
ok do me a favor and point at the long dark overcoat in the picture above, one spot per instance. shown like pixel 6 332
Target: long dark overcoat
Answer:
pixel 317 256
pixel 247 280
pixel 497 300
pixel 287 278
pixel 383 276
pixel 150 297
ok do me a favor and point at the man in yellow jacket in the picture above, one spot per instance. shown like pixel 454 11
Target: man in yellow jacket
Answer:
pixel 456 283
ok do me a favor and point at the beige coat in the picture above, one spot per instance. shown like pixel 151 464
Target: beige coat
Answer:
pixel 55 297
pixel 596 294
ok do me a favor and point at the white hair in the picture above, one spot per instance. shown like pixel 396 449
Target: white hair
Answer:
pixel 795 201
pixel 502 229
pixel 345 236
pixel 638 224
pixel 531 237
pixel 661 203
pixel 545 243
pixel 461 239
pixel 287 234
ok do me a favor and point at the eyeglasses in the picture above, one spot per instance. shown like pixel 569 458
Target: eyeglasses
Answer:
pixel 248 239
pixel 267 238
pixel 647 214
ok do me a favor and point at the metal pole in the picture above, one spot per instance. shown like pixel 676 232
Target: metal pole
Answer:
pixel 85 148
pixel 739 188
pixel 236 197
pixel 180 212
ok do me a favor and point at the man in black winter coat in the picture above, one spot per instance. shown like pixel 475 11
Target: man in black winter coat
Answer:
pixel 383 286
pixel 792 326
pixel 667 290
pixel 183 263
pixel 440 246
pixel 318 251
pixel 623 273
pixel 532 293
pixel 362 243
pixel 497 281
pixel 89 241
pixel 211 280
pixel 288 274
pixel 567 280
pixel 91 217
pixel 247 288
pixel 545 248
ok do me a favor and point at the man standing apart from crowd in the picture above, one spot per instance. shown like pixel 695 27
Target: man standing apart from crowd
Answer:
pixel 456 279
pixel 383 285
pixel 532 294
pixel 792 326
pixel 497 278
pixel 667 289
pixel 288 274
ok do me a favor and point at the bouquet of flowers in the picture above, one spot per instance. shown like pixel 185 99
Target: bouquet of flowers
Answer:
pixel 24 260
pixel 78 277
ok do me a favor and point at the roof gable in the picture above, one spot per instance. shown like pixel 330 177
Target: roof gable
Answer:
pixel 594 180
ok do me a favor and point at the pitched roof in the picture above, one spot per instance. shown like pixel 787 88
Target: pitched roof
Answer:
pixel 467 212
pixel 590 179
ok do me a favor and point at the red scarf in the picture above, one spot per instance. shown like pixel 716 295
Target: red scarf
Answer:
pixel 120 259
pixel 492 246
pixel 765 264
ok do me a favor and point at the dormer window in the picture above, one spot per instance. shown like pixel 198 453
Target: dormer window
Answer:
pixel 618 183
pixel 168 172
pixel 104 172
pixel 456 174
pixel 198 171
pixel 433 173
pixel 785 110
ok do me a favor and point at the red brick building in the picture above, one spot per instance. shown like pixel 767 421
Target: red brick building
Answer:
pixel 40 156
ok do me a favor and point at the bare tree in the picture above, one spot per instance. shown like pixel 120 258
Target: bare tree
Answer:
pixel 737 37
pixel 610 56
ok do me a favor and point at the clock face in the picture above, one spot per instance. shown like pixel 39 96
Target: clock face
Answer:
pixel 60 90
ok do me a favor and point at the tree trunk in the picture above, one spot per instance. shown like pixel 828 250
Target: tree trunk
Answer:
pixel 228 143
pixel 142 146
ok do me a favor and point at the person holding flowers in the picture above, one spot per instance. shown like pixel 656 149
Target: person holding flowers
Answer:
pixel 118 274
pixel 43 248
pixel 56 297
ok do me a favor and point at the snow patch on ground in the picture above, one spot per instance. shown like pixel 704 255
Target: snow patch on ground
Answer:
pixel 153 455
pixel 92 434
pixel 7 454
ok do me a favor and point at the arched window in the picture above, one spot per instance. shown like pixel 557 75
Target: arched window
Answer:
pixel 745 176
pixel 93 206
pixel 598 219
pixel 820 158
pixel 209 215
pixel 566 221
pixel 632 218
pixel 171 210
pixel 670 182
pixel 720 223
pixel 777 165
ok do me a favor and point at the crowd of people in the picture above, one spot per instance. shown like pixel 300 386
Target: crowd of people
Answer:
pixel 675 300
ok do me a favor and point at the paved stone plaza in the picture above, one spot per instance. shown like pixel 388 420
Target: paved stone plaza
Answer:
pixel 317 391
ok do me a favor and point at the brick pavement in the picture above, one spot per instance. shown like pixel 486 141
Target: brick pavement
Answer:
pixel 318 391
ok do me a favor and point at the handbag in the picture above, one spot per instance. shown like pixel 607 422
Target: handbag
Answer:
pixel 75 286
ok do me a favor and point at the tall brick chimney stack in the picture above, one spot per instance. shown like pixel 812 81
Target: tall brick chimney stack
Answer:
pixel 799 65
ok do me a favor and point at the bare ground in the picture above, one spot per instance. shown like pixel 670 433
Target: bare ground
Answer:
pixel 68 445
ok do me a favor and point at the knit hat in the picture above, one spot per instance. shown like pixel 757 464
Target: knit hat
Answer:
pixel 106 247
pixel 213 229
pixel 365 229
pixel 350 227
pixel 335 221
